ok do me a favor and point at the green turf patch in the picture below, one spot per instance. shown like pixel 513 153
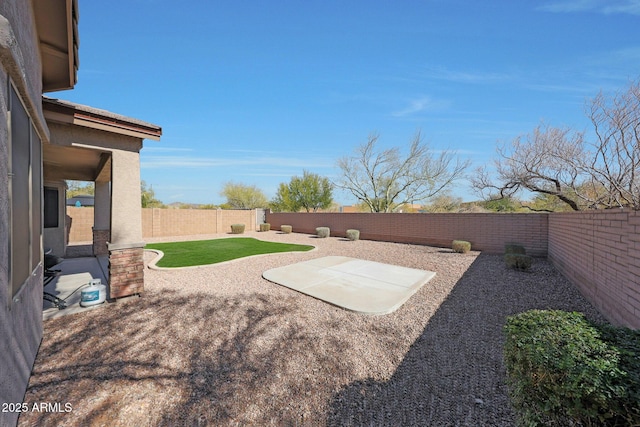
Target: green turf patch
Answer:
pixel 203 252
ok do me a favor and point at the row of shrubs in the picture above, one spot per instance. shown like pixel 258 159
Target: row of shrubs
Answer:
pixel 515 255
pixel 565 370
pixel 239 228
pixel 321 232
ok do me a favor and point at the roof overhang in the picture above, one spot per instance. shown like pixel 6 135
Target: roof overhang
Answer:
pixel 77 155
pixel 57 26
pixel 81 115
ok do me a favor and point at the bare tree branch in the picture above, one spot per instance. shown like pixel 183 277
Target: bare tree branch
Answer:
pixel 603 173
pixel 385 180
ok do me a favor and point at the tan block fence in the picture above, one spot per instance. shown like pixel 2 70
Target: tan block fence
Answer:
pixel 598 251
pixel 168 222
pixel 485 231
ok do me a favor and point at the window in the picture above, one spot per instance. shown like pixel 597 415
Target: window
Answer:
pixel 25 194
pixel 51 208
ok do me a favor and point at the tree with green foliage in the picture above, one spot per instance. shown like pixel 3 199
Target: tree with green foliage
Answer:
pixel 208 206
pixel 505 204
pixel 309 192
pixel 444 203
pixel 80 188
pixel 241 196
pixel 148 196
pixel 283 201
pixel 546 203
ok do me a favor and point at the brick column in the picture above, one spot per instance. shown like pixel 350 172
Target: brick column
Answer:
pixel 126 272
pixel 100 239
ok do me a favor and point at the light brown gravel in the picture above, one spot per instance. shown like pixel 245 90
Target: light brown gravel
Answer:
pixel 220 345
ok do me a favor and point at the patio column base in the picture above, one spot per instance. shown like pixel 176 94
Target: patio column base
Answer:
pixel 100 239
pixel 126 272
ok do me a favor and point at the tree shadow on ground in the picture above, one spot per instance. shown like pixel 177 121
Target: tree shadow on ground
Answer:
pixel 260 356
pixel 167 360
pixel 453 375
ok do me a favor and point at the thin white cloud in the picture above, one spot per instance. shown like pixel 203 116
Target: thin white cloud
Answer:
pixel 168 162
pixel 422 105
pixel 442 73
pixel 166 149
pixel 627 54
pixel 631 7
pixel 607 7
pixel 569 6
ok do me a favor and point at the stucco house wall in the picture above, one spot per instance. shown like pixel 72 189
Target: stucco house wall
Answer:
pixel 125 164
pixel 21 315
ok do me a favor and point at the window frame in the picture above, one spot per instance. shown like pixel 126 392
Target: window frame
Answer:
pixel 24 242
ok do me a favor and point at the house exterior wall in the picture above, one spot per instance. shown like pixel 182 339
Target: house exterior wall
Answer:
pixel 126 220
pixel 599 252
pixel 20 316
pixel 485 231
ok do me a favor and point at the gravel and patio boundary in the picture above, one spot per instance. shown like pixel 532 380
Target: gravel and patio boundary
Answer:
pixel 221 346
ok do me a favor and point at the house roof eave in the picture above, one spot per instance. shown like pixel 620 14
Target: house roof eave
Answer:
pixel 82 115
pixel 57 27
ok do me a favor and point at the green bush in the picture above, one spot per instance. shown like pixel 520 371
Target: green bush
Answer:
pixel 353 234
pixel 237 228
pixel 564 370
pixel 323 232
pixel 265 226
pixel 286 229
pixel 461 246
pixel 514 249
pixel 626 411
pixel 518 261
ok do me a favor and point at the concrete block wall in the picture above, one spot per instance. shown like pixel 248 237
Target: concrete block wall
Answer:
pixel 81 229
pixel 599 252
pixel 487 232
pixel 181 222
pixel 228 217
pixel 167 222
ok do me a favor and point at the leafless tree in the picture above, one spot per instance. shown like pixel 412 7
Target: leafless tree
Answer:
pixel 539 162
pixel 602 173
pixel 614 163
pixel 385 180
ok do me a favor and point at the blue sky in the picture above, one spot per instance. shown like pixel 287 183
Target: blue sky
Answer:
pixel 255 92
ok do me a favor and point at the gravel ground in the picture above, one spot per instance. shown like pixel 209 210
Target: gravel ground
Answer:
pixel 219 345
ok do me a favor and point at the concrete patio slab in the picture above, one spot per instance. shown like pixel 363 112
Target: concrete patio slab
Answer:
pixel 363 286
pixel 75 274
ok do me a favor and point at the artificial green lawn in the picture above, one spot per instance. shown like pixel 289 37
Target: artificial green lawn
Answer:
pixel 202 252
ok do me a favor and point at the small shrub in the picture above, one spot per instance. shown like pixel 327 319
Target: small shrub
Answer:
pixel 323 232
pixel 286 229
pixel 265 226
pixel 461 246
pixel 564 370
pixel 353 234
pixel 518 261
pixel 514 249
pixel 237 228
